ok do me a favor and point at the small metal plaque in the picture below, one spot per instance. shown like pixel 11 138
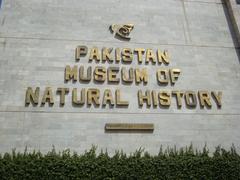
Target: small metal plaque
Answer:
pixel 145 127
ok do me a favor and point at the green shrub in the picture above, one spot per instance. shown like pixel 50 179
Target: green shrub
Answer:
pixel 170 164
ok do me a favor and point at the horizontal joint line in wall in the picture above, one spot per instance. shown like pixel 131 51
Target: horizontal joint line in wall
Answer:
pixel 170 44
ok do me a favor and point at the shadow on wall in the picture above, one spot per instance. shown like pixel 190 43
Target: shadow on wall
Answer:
pixel 233 31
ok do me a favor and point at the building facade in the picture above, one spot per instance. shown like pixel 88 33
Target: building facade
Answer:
pixel 185 51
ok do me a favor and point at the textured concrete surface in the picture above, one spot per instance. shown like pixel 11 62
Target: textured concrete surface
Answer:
pixel 38 38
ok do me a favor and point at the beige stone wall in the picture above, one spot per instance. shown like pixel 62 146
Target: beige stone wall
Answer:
pixel 38 39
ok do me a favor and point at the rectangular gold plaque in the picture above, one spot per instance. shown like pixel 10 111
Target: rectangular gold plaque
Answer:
pixel 129 127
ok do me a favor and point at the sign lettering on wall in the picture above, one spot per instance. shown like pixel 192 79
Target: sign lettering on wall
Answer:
pixel 115 75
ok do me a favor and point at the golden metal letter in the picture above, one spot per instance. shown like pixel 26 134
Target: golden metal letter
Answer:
pixel 127 78
pixel 163 56
pixel 80 51
pixel 48 96
pixel 120 102
pixel 94 54
pixel 108 98
pixel 112 74
pixel 174 73
pixel 127 55
pixel 140 52
pixel 150 56
pixel 100 74
pixel 162 73
pixel 154 98
pixel 204 98
pixel 93 96
pixel 75 100
pixel 117 55
pixel 71 73
pixel 217 98
pixel 191 99
pixel 32 96
pixel 146 97
pixel 141 75
pixel 178 95
pixel 164 98
pixel 106 55
pixel 81 74
pixel 63 92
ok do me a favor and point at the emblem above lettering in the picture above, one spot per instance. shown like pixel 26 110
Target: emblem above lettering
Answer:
pixel 121 31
